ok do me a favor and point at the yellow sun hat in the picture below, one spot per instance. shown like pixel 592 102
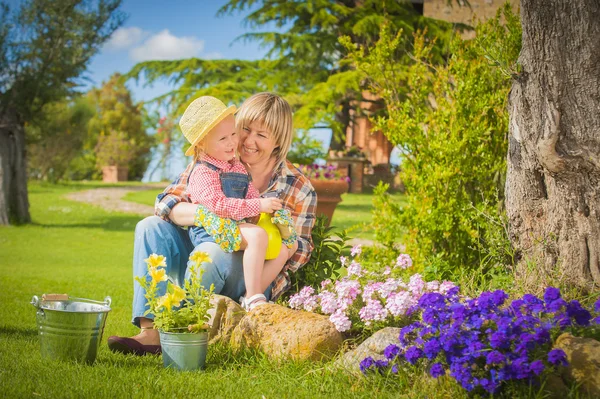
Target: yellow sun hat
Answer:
pixel 200 117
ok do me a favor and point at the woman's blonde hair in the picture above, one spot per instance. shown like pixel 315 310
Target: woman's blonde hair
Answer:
pixel 275 114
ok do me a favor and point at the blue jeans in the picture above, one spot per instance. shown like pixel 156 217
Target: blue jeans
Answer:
pixel 154 235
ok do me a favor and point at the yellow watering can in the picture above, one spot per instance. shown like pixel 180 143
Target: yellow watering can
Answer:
pixel 273 233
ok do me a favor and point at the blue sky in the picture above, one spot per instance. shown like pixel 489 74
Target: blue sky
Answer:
pixel 175 29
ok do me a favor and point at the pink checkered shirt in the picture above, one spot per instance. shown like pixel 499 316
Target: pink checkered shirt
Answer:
pixel 204 188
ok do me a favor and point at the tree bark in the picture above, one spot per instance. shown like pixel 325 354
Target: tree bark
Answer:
pixel 553 178
pixel 14 202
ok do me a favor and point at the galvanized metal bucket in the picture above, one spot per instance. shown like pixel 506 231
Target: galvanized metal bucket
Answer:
pixel 70 328
pixel 184 351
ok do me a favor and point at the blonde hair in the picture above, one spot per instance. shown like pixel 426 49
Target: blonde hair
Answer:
pixel 199 149
pixel 274 113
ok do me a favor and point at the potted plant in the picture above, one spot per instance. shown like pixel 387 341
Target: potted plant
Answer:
pixel 113 154
pixel 329 183
pixel 180 315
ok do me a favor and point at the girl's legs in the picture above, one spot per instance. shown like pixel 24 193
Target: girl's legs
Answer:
pixel 254 244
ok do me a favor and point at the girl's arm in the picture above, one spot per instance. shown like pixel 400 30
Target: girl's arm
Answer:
pixel 183 214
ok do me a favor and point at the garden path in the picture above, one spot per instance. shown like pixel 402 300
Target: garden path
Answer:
pixel 111 199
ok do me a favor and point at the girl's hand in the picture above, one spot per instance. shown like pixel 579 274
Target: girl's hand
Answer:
pixel 270 205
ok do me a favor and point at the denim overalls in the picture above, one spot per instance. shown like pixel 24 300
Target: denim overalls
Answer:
pixel 234 185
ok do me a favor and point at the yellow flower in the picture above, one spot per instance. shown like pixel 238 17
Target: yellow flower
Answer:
pixel 178 294
pixel 200 257
pixel 166 301
pixel 158 275
pixel 155 261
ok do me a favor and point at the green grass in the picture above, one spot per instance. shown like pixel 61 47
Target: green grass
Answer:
pixel 86 252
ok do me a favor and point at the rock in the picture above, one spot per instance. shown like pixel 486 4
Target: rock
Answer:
pixel 225 316
pixel 373 346
pixel 283 333
pixel 583 355
pixel 555 388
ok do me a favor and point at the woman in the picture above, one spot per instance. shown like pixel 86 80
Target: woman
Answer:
pixel 265 124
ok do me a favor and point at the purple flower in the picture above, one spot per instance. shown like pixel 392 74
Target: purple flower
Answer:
pixel 557 357
pixel 431 348
pixel 489 385
pixel 537 367
pixel 581 315
pixel 495 357
pixel 437 370
pixel 597 306
pixel 551 294
pixel 356 250
pixel 366 364
pixel 413 354
pixel 391 351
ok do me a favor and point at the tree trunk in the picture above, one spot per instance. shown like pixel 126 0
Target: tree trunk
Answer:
pixel 553 180
pixel 14 203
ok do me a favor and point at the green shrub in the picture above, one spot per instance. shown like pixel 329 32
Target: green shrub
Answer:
pixel 324 261
pixel 451 123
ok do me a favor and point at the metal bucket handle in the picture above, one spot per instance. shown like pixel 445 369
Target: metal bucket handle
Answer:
pixel 35 301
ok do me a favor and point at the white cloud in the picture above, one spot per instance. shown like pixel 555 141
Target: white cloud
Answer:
pixel 165 46
pixel 124 38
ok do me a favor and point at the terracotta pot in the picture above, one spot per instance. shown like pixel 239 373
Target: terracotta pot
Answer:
pixel 328 196
pixel 113 174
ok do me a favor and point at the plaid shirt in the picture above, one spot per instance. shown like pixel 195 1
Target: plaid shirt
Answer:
pixel 288 184
pixel 204 188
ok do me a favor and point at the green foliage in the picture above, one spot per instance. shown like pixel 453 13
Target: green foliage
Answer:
pixel 118 129
pixel 324 260
pixel 57 138
pixel 46 46
pixel 305 149
pixel 451 123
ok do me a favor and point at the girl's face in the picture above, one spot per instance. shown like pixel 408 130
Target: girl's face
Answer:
pixel 222 141
pixel 256 143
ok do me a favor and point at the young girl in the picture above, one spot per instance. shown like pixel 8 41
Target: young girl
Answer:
pixel 221 185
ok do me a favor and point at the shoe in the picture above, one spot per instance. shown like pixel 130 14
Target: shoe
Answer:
pixel 252 302
pixel 131 346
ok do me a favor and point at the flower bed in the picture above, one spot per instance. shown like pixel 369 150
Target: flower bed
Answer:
pixel 485 341
pixel 366 299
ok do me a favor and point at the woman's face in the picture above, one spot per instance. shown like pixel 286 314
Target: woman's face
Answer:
pixel 256 143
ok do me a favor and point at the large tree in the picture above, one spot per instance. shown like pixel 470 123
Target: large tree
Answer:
pixel 553 181
pixel 45 46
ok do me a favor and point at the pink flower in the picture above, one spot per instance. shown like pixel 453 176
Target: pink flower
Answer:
pixel 325 283
pixel 416 284
pixel 403 261
pixel 355 269
pixel 398 303
pixel 446 286
pixel 387 271
pixel 390 285
pixel 370 289
pixel 347 289
pixel 340 321
pixel 329 303
pixel 356 250
pixel 373 311
pixel 433 285
pixel 343 260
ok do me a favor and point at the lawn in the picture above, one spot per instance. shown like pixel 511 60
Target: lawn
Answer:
pixel 86 252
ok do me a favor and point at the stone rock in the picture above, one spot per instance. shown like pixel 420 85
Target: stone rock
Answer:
pixel 225 316
pixel 283 333
pixel 583 355
pixel 373 346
